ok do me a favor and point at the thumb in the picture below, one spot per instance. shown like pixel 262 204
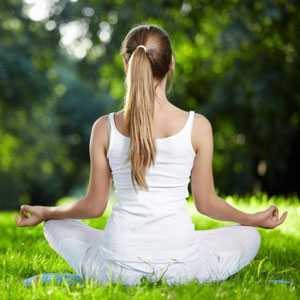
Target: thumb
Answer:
pixel 26 207
pixel 272 207
pixel 270 210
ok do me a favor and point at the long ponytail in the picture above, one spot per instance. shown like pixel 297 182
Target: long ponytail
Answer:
pixel 140 95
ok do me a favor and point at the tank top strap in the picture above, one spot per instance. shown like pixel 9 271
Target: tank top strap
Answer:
pixel 109 126
pixel 188 131
pixel 110 132
pixel 190 121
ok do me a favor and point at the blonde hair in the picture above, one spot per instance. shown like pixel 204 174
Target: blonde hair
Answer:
pixel 143 67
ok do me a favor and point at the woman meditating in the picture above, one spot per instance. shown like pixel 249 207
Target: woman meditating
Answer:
pixel 151 150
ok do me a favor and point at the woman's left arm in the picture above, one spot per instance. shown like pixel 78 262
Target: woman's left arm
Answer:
pixel 206 200
pixel 95 202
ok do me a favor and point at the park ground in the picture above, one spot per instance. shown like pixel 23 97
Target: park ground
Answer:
pixel 24 252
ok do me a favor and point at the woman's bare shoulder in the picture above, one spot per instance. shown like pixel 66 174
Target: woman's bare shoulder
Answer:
pixel 100 134
pixel 201 122
pixel 202 131
pixel 100 124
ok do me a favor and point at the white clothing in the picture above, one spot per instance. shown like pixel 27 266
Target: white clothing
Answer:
pixel 150 233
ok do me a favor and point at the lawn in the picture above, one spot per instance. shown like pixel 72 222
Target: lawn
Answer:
pixel 25 252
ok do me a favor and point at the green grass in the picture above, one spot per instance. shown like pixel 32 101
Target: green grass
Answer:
pixel 25 252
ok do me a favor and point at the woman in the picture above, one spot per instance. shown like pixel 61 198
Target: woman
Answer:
pixel 151 149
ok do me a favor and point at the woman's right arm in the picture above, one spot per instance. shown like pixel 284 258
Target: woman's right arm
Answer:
pixel 95 202
pixel 203 190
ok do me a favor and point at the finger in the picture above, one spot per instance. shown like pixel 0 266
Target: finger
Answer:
pixel 25 222
pixel 275 215
pixel 28 208
pixel 283 217
pixel 21 222
pixel 272 207
pixel 23 210
pixel 17 220
pixel 23 215
pixel 271 211
pixel 276 212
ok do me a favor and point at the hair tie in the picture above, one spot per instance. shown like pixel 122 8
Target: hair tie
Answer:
pixel 142 46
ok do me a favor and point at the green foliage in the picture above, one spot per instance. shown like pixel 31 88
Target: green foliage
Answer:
pixel 237 64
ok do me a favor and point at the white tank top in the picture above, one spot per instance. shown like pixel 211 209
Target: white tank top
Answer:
pixel 151 225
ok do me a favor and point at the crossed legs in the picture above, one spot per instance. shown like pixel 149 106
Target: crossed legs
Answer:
pixel 223 251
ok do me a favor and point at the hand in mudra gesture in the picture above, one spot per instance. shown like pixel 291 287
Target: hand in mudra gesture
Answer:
pixel 36 215
pixel 268 218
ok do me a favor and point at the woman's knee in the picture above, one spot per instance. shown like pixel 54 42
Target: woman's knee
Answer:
pixel 253 240
pixel 53 232
pixel 50 225
pixel 255 235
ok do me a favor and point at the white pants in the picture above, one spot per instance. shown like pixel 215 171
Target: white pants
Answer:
pixel 222 252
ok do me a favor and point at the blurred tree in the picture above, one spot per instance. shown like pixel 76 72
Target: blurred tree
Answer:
pixel 237 63
pixel 36 165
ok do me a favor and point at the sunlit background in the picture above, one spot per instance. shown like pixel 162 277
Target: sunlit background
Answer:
pixel 237 63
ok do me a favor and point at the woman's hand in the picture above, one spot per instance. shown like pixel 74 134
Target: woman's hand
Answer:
pixel 268 218
pixel 37 214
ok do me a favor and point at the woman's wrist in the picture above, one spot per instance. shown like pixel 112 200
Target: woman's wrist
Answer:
pixel 251 220
pixel 46 213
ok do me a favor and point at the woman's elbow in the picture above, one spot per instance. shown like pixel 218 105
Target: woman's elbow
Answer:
pixel 96 213
pixel 202 204
pixel 202 210
pixel 95 210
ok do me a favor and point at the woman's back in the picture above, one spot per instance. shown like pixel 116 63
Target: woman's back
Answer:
pixel 168 119
pixel 153 224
